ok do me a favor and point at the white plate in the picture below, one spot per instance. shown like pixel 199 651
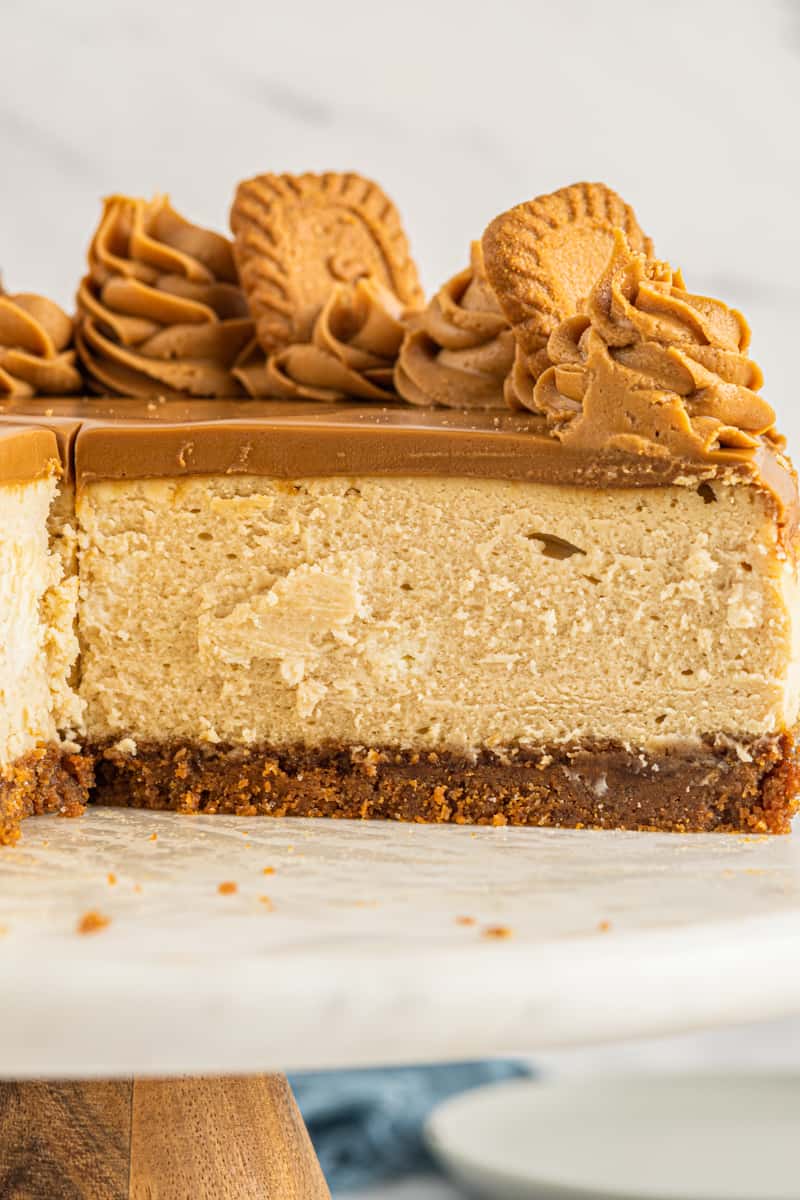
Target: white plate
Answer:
pixel 687 1137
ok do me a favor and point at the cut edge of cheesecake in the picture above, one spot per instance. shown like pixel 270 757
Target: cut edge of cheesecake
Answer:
pixel 719 777
pixel 41 768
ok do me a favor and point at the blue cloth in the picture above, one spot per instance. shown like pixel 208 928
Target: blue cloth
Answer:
pixel 366 1126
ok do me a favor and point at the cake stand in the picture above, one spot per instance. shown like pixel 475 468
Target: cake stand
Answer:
pixel 237 948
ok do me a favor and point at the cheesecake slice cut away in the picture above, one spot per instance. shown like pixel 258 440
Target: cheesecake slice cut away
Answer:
pixel 40 767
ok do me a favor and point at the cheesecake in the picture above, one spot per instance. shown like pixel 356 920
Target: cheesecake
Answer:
pixel 41 769
pixel 569 600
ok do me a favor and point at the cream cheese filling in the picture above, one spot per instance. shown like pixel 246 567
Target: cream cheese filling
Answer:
pixel 38 642
pixel 431 612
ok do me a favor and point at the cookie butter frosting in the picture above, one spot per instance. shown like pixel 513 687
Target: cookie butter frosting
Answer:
pixel 351 352
pixel 161 308
pixel 36 354
pixel 460 349
pixel 648 367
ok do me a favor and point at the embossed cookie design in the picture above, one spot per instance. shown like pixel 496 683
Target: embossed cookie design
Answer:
pixel 542 257
pixel 296 236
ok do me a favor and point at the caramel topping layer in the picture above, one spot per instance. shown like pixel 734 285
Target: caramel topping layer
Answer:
pixel 650 368
pixel 460 349
pixel 298 236
pixel 27 453
pixel 289 439
pixel 36 354
pixel 161 308
pixel 351 353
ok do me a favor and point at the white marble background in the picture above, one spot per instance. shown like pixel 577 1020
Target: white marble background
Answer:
pixel 690 109
pixel 459 108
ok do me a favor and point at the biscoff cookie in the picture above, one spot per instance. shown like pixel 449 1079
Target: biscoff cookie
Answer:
pixel 542 257
pixel 297 236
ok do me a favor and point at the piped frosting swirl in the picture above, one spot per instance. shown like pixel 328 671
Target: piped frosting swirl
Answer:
pixel 36 353
pixel 351 353
pixel 648 367
pixel 459 350
pixel 161 309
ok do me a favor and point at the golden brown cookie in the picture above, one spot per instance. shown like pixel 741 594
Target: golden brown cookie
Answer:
pixel 297 236
pixel 544 256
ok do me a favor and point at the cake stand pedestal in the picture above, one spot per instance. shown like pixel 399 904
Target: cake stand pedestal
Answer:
pixel 230 947
pixel 155 1139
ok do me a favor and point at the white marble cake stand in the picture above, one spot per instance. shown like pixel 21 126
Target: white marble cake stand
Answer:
pixel 360 958
pixel 376 946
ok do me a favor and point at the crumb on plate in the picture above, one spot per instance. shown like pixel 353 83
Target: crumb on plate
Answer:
pixel 497 931
pixel 93 922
